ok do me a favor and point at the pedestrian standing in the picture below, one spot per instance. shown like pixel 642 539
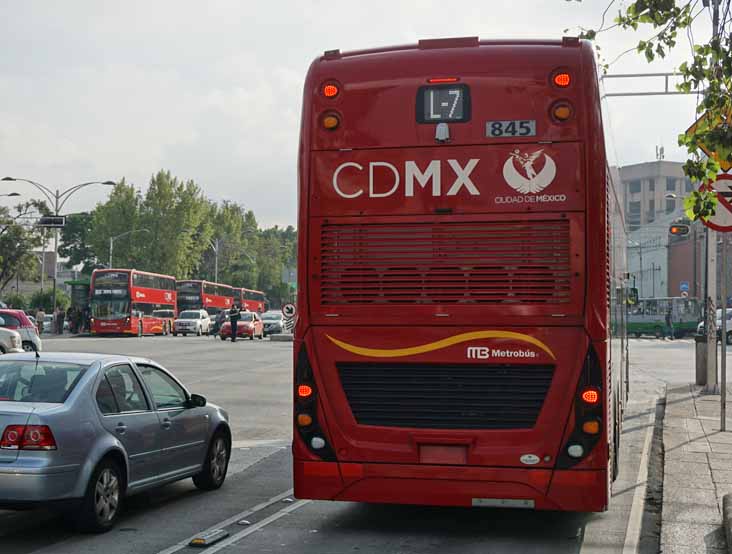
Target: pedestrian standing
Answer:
pixel 670 324
pixel 40 316
pixel 234 316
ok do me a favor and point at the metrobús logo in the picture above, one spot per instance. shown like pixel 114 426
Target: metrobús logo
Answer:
pixel 527 180
pixel 139 294
pixel 485 353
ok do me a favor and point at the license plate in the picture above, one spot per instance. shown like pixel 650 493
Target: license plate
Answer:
pixel 511 128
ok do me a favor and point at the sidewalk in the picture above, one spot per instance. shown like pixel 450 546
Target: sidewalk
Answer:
pixel 697 472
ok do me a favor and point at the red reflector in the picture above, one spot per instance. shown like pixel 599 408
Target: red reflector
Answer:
pixel 591 396
pixel 303 391
pixel 436 80
pixel 329 91
pixel 28 437
pixel 562 79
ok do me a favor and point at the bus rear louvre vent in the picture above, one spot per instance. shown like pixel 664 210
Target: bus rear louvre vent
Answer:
pixel 445 263
pixel 450 396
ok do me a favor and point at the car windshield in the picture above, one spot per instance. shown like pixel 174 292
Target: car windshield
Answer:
pixel 190 315
pixel 110 309
pixel 31 381
pixel 271 317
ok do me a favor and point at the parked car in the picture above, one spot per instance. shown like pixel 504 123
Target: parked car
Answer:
pixel 18 321
pixel 250 325
pixel 169 318
pixel 10 341
pixel 700 328
pixel 274 322
pixel 88 430
pixel 192 321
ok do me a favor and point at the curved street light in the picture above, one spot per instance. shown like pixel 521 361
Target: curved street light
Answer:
pixel 57 199
pixel 11 194
pixel 112 239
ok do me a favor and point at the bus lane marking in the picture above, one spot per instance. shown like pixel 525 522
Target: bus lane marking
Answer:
pixel 230 521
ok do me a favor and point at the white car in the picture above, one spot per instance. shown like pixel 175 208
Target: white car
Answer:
pixel 10 342
pixel 195 322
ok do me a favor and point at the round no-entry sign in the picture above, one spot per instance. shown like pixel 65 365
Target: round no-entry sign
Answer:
pixel 288 310
pixel 722 220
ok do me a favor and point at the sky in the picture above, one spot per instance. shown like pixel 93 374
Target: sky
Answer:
pixel 97 90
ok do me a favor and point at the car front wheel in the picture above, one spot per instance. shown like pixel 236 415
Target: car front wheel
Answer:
pixel 214 470
pixel 101 504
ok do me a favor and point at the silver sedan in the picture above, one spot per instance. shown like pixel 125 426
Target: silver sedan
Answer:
pixel 91 429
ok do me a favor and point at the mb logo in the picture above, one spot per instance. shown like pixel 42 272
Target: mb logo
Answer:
pixel 478 353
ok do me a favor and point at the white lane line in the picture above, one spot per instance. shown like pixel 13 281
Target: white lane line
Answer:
pixel 635 519
pixel 225 523
pixel 261 442
pixel 256 527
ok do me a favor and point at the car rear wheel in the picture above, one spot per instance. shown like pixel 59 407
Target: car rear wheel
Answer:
pixel 214 470
pixel 2 349
pixel 27 346
pixel 102 502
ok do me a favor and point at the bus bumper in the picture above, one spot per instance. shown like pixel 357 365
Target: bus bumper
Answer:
pixel 541 489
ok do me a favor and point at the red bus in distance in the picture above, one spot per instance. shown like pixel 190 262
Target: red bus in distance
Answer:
pixel 461 280
pixel 204 295
pixel 127 301
pixel 253 300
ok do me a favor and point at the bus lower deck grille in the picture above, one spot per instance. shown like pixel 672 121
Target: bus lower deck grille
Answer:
pixel 454 396
pixel 445 262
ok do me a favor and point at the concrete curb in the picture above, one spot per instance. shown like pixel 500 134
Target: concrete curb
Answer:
pixel 282 337
pixel 727 519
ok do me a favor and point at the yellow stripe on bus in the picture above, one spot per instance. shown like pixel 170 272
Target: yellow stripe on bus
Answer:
pixel 440 344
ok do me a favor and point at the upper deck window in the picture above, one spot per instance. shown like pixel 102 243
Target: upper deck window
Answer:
pixel 443 104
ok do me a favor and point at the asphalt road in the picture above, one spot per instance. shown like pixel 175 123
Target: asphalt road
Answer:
pixel 252 380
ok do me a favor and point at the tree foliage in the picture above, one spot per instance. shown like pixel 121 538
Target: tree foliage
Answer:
pixel 174 229
pixel 709 68
pixel 18 239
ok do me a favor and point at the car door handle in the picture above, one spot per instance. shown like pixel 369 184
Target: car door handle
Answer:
pixel 166 423
pixel 121 428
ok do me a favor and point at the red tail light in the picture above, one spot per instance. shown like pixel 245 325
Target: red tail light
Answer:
pixel 591 396
pixel 28 437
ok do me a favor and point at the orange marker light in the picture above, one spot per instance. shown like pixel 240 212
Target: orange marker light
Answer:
pixel 304 391
pixel 562 79
pixel 330 91
pixel 303 420
pixel 591 396
pixel 591 427
pixel 562 111
pixel 331 122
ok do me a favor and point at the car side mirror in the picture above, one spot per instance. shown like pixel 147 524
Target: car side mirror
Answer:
pixel 197 401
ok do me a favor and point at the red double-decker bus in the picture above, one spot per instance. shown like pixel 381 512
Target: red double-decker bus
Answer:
pixel 253 300
pixel 461 286
pixel 127 301
pixel 197 295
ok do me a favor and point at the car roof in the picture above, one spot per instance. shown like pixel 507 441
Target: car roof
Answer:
pixel 83 358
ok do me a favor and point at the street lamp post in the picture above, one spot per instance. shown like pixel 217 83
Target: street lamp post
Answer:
pixel 58 199
pixel 214 244
pixel 112 239
pixel 11 194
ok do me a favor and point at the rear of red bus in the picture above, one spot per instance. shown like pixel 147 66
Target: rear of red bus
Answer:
pixel 125 301
pixel 452 342
pixel 253 300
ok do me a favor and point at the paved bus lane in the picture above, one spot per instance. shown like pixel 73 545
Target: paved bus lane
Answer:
pixel 259 485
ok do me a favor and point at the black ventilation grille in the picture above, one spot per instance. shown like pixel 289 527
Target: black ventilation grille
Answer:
pixel 455 396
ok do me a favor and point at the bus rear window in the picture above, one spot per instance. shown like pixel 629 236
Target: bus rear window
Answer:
pixel 443 104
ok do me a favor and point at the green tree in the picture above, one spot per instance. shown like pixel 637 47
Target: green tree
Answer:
pixel 18 239
pixel 119 214
pixel 709 68
pixel 75 242
pixel 45 300
pixel 176 214
pixel 16 300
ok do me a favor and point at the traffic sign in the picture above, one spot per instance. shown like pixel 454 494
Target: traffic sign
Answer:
pixel 684 294
pixel 724 164
pixel 684 286
pixel 288 310
pixel 52 221
pixel 722 220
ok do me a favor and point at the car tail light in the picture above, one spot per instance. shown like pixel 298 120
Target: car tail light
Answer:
pixel 28 437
